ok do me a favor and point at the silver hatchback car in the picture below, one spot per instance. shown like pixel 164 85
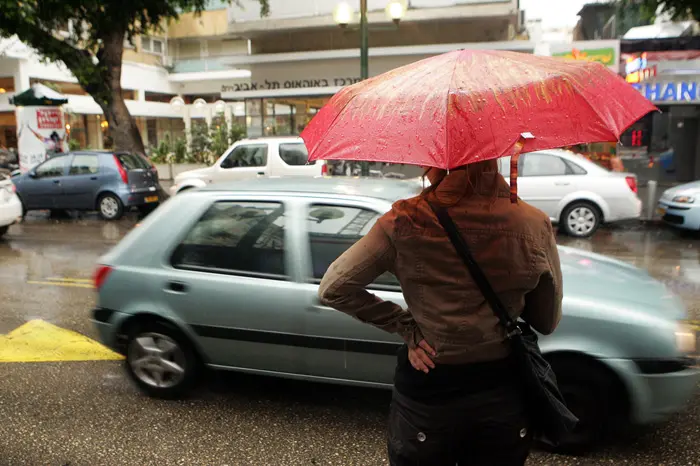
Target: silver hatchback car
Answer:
pixel 227 277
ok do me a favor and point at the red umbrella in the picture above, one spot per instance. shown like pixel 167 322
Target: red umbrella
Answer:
pixel 471 105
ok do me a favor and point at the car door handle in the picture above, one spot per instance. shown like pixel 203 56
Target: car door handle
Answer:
pixel 562 183
pixel 261 173
pixel 93 177
pixel 176 287
pixel 57 181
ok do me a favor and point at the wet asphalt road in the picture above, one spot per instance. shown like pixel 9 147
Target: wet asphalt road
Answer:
pixel 87 413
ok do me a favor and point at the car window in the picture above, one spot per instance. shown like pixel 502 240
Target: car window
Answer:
pixel 294 154
pixel 542 165
pixel 236 237
pixel 133 162
pixel 250 155
pixel 575 168
pixel 332 230
pixel 84 165
pixel 52 167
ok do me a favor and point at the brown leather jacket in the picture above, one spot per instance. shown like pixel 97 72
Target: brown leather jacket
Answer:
pixel 513 243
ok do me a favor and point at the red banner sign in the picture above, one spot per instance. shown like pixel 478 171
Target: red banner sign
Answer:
pixel 49 118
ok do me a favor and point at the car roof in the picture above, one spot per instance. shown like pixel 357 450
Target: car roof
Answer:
pixel 271 139
pixel 576 158
pixel 387 189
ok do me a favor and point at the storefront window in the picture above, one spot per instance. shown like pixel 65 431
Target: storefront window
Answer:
pixel 281 116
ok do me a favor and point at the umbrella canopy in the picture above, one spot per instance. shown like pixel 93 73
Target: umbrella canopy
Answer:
pixel 472 105
pixel 39 95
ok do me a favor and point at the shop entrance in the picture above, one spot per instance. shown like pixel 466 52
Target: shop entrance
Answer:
pixel 683 141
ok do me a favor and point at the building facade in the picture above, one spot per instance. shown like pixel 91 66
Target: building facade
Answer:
pixel 665 145
pixel 270 75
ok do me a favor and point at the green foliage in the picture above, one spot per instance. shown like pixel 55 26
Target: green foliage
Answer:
pixel 73 145
pixel 237 132
pixel 161 153
pixel 218 135
pixel 677 9
pixel 200 142
pixel 94 45
pixel 180 154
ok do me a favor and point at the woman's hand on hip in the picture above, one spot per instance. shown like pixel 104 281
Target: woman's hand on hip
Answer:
pixel 421 357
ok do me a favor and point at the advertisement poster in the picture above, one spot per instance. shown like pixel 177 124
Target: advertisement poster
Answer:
pixel 606 52
pixel 41 134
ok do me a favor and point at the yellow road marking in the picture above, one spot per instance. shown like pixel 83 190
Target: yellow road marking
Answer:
pixel 40 341
pixel 57 283
pixel 68 279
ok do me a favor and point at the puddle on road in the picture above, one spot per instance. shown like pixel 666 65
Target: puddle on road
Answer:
pixel 43 246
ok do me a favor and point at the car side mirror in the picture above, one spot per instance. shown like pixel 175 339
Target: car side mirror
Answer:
pixel 32 174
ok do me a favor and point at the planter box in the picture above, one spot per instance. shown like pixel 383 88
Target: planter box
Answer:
pixel 164 172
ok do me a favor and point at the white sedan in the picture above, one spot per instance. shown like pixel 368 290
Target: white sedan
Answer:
pixel 576 193
pixel 10 205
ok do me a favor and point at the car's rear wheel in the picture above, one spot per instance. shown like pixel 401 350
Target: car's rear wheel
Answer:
pixel 581 219
pixel 110 207
pixel 160 360
pixel 3 230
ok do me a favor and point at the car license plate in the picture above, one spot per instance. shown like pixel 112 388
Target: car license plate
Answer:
pixel 151 199
pixel 661 211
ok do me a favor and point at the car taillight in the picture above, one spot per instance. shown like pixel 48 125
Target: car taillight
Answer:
pixel 632 183
pixel 101 275
pixel 14 188
pixel 122 172
pixel 324 169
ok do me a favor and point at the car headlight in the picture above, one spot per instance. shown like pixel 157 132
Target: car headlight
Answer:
pixel 686 339
pixel 684 199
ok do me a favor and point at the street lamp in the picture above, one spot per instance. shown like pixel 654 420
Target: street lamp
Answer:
pixel 343 15
pixel 396 10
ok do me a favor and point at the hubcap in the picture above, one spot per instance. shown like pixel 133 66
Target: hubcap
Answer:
pixel 157 360
pixel 581 220
pixel 109 207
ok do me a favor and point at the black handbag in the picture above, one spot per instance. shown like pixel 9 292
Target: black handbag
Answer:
pixel 548 412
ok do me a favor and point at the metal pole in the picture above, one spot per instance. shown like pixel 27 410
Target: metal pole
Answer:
pixel 364 41
pixel 364 61
pixel 651 199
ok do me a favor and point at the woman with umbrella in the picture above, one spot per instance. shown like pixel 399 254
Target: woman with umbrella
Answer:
pixel 456 397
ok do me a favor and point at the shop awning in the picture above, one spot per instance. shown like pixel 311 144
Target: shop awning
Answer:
pixel 39 95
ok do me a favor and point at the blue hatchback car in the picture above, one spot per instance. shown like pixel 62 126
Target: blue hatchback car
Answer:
pixel 108 182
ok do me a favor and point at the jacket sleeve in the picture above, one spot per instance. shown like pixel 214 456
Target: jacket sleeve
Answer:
pixel 543 304
pixel 343 286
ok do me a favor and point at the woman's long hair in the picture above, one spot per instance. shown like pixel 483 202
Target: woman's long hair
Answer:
pixel 474 172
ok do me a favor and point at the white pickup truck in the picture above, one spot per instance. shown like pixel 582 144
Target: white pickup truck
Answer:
pixel 253 158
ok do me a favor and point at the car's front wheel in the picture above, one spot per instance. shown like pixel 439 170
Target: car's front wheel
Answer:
pixel 3 230
pixel 581 219
pixel 592 394
pixel 110 207
pixel 161 361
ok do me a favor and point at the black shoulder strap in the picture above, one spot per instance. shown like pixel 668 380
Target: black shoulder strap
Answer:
pixel 477 274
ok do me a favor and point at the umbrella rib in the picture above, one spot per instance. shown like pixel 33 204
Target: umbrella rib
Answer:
pixel 561 75
pixel 447 117
pixel 333 122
